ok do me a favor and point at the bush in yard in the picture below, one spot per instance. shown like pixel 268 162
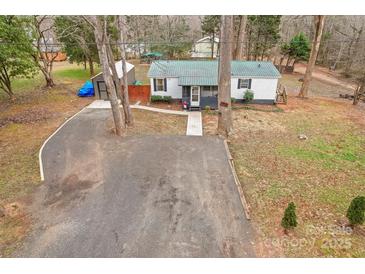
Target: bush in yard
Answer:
pixel 167 99
pixel 159 98
pixel 233 100
pixel 356 211
pixel 156 98
pixel 289 220
pixel 248 96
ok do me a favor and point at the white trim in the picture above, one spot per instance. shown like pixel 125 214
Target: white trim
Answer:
pixel 96 75
pixel 45 142
pixel 194 103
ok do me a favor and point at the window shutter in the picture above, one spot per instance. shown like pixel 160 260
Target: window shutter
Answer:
pixel 154 84
pixel 165 84
pixel 249 83
pixel 239 83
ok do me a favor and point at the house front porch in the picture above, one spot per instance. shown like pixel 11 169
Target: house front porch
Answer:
pixel 200 96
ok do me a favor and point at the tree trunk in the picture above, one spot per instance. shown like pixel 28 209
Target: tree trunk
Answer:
pixel 91 66
pixel 338 58
pixel 212 46
pixel 281 64
pixel 100 35
pixel 287 63
pixel 116 80
pixel 224 75
pixel 241 38
pixel 5 83
pixel 319 23
pixel 49 79
pixel 358 91
pixel 122 38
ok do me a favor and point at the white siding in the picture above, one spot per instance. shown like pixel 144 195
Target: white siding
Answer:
pixel 263 89
pixel 204 50
pixel 173 89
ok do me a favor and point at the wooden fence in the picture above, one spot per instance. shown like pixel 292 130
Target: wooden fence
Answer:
pixel 139 93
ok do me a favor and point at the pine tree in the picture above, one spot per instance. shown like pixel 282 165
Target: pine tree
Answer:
pixel 356 211
pixel 289 220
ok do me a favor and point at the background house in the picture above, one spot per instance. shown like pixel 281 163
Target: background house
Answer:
pixel 99 83
pixel 196 82
pixel 203 48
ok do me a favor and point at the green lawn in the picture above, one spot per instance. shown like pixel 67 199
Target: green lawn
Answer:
pixel 321 174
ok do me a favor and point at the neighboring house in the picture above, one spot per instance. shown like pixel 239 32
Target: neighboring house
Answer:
pixel 52 51
pixel 196 82
pixel 203 48
pixel 99 83
pixel 49 45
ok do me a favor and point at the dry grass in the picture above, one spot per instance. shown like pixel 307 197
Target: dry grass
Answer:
pixel 154 123
pixel 321 175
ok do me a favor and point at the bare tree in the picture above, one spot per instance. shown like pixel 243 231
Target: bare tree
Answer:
pixel 224 74
pixel 241 37
pixel 122 37
pixel 101 38
pixel 46 52
pixel 319 23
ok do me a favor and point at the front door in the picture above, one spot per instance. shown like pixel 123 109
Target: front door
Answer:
pixel 195 96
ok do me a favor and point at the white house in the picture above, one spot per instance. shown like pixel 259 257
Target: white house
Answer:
pixel 203 48
pixel 196 82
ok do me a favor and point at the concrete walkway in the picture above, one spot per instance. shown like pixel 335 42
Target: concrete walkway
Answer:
pixel 194 127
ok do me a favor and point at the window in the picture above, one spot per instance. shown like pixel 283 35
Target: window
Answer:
pixel 160 85
pixel 209 91
pixel 244 83
pixel 185 91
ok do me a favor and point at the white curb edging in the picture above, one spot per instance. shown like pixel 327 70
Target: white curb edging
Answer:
pixel 45 142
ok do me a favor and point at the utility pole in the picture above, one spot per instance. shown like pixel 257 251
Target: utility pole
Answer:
pixel 224 75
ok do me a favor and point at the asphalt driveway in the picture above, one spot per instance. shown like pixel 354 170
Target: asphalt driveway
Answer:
pixel 149 196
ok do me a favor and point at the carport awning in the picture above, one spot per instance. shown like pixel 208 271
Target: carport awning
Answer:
pixel 198 81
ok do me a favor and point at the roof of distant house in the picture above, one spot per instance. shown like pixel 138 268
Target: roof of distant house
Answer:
pixel 119 67
pixel 216 39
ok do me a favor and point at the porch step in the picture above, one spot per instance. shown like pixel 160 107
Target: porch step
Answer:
pixel 194 108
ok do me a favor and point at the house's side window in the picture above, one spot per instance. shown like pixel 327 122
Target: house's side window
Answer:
pixel 160 84
pixel 244 83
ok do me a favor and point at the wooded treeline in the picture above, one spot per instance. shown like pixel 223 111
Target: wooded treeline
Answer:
pixel 285 40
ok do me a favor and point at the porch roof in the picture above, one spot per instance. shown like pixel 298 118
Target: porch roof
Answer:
pixel 198 81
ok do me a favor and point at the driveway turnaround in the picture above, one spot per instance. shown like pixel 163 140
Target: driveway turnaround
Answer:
pixel 147 196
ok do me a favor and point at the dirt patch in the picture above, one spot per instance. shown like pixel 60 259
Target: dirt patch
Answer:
pixel 324 74
pixel 154 123
pixel 69 189
pixel 27 117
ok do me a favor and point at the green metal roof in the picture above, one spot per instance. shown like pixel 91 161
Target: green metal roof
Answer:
pixel 206 72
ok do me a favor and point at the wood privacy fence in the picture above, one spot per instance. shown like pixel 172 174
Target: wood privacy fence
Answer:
pixel 139 93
